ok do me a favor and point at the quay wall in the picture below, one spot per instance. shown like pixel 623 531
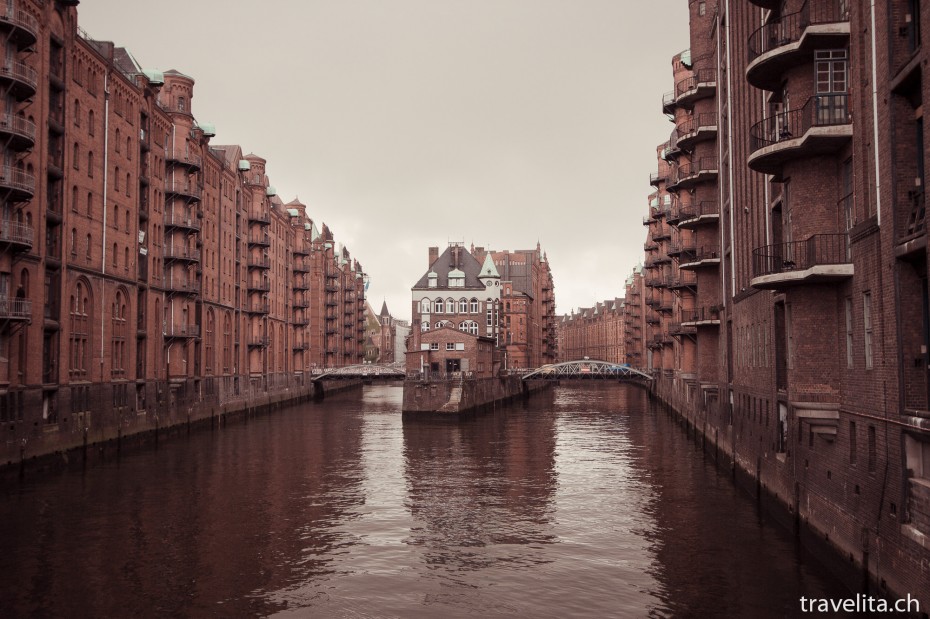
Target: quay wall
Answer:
pixel 166 409
pixel 836 514
pixel 457 396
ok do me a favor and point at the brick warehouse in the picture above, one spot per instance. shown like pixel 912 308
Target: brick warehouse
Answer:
pixel 152 274
pixel 785 298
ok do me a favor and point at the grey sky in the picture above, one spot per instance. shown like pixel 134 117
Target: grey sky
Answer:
pixel 408 123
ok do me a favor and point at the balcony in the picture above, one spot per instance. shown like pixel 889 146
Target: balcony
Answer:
pixel 259 308
pixel 259 262
pixel 182 189
pixel 300 266
pixel 301 250
pixel 700 85
pixel 300 303
pixel 299 284
pixel 259 341
pixel 181 220
pixel 701 316
pixel 20 185
pixel 683 279
pixel 259 238
pixel 822 126
pixel 181 253
pixel 15 309
pixel 22 26
pixel 691 173
pixel 259 217
pixel 19 79
pixel 699 258
pixel 188 160
pixel 677 329
pixel 181 331
pixel 661 232
pixel 822 258
pixel 655 179
pixel 17 235
pixel 694 215
pixel 668 103
pixel 18 132
pixel 258 286
pixel 181 285
pixel 791 40
pixel 694 129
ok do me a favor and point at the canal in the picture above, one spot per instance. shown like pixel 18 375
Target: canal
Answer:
pixel 581 502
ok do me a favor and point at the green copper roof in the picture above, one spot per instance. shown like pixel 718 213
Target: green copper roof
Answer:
pixel 314 233
pixel 488 269
pixel 208 129
pixel 155 77
pixel 293 212
pixel 270 191
pixel 244 165
pixel 686 58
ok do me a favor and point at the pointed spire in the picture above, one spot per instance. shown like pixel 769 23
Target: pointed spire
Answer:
pixel 384 309
pixel 488 270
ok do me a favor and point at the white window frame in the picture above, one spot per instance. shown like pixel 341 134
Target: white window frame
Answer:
pixel 867 327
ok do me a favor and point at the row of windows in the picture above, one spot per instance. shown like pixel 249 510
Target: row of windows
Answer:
pixel 449 306
pixel 468 326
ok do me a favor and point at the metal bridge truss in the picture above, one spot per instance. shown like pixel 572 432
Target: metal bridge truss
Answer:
pixel 364 370
pixel 587 369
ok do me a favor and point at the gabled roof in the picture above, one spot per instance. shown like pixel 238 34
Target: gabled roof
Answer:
pixel 468 264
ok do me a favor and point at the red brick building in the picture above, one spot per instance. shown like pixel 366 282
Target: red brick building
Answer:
pixel 786 297
pixel 142 269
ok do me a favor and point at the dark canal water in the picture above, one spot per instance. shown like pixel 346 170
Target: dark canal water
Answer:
pixel 581 503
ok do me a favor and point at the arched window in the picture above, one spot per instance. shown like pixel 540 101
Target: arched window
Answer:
pixel 74 241
pixel 227 344
pixel 77 113
pixel 118 334
pixel 439 306
pixel 90 164
pixel 80 338
pixel 75 155
pixel 424 326
pixel 450 306
pixel 463 306
pixel 116 181
pixel 88 247
pixel 90 204
pixel 424 306
pixel 474 306
pixel 209 360
pixel 74 198
pixel 90 122
pixel 442 323
pixel 469 326
pixel 117 140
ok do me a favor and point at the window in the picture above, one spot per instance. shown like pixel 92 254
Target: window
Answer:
pixel 77 113
pixel 871 449
pixel 439 306
pixel 74 157
pixel 425 306
pixel 90 122
pixel 450 306
pixel 424 326
pixel 450 345
pixel 463 306
pixel 867 324
pixel 117 141
pixel 434 346
pixel 849 333
pixel 474 306
pixel 90 164
pixel 182 104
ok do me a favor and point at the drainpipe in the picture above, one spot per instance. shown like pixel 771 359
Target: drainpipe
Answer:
pixel 878 184
pixel 106 169
pixel 730 132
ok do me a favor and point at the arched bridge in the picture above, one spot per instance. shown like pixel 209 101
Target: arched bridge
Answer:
pixel 587 369
pixel 364 370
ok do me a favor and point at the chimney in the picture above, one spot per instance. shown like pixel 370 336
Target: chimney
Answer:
pixel 433 255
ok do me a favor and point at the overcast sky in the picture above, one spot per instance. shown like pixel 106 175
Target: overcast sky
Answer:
pixel 409 123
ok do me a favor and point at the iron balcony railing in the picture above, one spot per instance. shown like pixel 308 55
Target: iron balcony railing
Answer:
pixel 182 188
pixel 819 111
pixel 181 220
pixel 14 178
pixel 20 72
pixel 14 15
pixel 819 249
pixel 15 232
pixel 700 314
pixel 15 308
pixel 790 28
pixel 699 254
pixel 18 126
pixel 691 124
pixel 181 330
pixel 188 159
pixel 690 169
pixel 692 82
pixel 693 211
pixel 182 252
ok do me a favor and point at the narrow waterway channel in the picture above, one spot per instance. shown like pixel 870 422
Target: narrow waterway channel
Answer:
pixel 586 501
